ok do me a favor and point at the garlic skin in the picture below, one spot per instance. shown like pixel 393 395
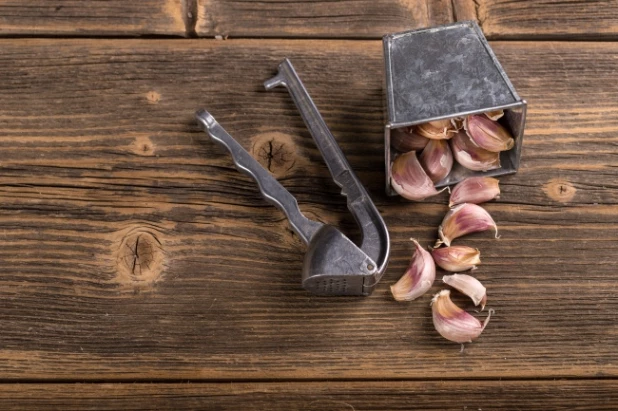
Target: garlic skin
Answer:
pixel 488 134
pixel 464 219
pixel 469 286
pixel 436 130
pixel 418 278
pixel 456 258
pixel 452 322
pixel 405 139
pixel 494 115
pixel 457 123
pixel 475 190
pixel 409 179
pixel 471 156
pixel 437 160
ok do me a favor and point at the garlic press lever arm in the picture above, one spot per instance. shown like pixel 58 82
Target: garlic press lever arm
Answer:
pixel 270 188
pixel 375 241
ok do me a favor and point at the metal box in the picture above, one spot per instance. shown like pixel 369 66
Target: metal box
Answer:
pixel 444 72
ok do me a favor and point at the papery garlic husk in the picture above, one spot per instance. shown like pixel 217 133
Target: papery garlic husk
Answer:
pixel 471 156
pixel 469 286
pixel 452 322
pixel 475 190
pixel 418 278
pixel 409 179
pixel 405 139
pixel 456 258
pixel 464 219
pixel 457 123
pixel 488 134
pixel 494 115
pixel 437 159
pixel 436 130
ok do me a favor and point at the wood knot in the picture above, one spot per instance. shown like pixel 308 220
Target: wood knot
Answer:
pixel 140 257
pixel 153 97
pixel 559 190
pixel 275 151
pixel 143 146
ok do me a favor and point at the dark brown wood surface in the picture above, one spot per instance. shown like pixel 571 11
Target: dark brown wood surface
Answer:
pixel 500 19
pixel 132 251
pixel 317 396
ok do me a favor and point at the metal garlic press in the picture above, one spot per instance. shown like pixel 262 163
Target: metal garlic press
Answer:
pixel 333 264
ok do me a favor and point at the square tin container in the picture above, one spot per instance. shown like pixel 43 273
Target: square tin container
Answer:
pixel 444 72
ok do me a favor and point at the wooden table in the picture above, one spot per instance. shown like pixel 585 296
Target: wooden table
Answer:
pixel 139 269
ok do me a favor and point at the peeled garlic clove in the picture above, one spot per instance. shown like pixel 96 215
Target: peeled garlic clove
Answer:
pixel 471 156
pixel 475 190
pixel 406 139
pixel 409 179
pixel 452 322
pixel 456 258
pixel 494 115
pixel 488 134
pixel 469 286
pixel 437 159
pixel 462 220
pixel 436 130
pixel 418 278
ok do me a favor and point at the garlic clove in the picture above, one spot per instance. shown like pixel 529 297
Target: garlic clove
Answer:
pixel 405 139
pixel 409 179
pixel 437 159
pixel 469 286
pixel 471 156
pixel 462 220
pixel 452 322
pixel 418 278
pixel 475 190
pixel 436 130
pixel 494 114
pixel 488 134
pixel 456 258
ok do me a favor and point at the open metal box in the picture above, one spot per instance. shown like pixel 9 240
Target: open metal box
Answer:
pixel 445 72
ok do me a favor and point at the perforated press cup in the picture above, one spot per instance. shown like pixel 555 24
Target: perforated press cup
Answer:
pixel 445 72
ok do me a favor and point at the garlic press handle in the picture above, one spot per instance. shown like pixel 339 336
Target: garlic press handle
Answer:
pixel 270 188
pixel 375 241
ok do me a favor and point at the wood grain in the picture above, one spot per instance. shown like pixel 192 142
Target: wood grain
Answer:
pixel 549 19
pixel 130 248
pixel 92 17
pixel 334 396
pixel 317 18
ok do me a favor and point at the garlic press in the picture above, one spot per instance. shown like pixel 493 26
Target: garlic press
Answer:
pixel 333 264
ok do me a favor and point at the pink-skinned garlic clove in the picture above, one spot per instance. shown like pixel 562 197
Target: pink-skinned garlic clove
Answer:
pixel 405 139
pixel 469 286
pixel 475 190
pixel 488 134
pixel 437 159
pixel 471 156
pixel 456 258
pixel 464 219
pixel 409 179
pixel 436 130
pixel 452 322
pixel 418 278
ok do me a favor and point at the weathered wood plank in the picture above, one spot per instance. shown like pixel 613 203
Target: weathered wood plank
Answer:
pixel 554 19
pixel 572 19
pixel 131 248
pixel 333 396
pixel 317 18
pixel 92 18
